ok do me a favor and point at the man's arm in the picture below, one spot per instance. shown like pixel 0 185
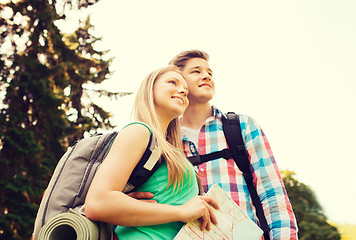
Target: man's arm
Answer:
pixel 268 181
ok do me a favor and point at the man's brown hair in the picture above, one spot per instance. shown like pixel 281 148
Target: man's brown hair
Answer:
pixel 180 59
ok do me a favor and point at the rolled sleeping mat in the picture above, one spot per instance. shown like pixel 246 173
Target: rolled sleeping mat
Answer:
pixel 74 226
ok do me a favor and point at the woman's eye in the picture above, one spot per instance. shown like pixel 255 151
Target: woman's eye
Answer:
pixel 172 82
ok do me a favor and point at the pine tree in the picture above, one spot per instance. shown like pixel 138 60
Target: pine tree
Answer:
pixel 43 73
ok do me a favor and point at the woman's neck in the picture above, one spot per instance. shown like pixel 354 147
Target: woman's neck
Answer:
pixel 163 121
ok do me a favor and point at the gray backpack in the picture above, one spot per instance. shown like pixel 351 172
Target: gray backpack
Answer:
pixel 68 187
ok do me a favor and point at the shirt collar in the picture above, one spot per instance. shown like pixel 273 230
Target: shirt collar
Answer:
pixel 217 113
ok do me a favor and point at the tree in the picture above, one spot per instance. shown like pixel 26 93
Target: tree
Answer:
pixel 43 73
pixel 311 220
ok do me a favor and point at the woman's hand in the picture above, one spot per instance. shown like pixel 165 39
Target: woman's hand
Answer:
pixel 198 208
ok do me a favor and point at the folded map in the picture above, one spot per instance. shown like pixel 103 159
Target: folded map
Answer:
pixel 233 223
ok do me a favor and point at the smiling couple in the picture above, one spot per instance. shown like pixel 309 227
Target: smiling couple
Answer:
pixel 173 105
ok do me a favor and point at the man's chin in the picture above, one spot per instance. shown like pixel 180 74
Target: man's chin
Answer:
pixel 205 98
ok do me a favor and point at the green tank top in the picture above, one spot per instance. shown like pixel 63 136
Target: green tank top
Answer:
pixel 157 184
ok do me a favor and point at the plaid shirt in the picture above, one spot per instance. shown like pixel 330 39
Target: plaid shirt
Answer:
pixel 267 179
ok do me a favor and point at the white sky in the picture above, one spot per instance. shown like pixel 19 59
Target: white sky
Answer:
pixel 288 64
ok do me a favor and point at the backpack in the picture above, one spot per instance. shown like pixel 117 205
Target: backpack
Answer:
pixel 237 150
pixel 69 184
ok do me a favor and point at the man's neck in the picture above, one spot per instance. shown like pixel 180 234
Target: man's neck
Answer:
pixel 196 114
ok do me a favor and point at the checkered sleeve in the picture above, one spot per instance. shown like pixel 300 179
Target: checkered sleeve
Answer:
pixel 268 182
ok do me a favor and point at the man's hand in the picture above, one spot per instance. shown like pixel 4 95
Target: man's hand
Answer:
pixel 143 196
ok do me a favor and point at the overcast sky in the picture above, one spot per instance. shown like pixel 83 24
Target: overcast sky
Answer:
pixel 288 64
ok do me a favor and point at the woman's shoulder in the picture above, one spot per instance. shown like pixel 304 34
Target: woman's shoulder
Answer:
pixel 137 133
pixel 138 126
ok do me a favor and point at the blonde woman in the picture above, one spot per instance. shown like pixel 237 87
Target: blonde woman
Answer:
pixel 161 99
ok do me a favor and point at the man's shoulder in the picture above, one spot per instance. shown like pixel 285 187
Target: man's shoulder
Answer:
pixel 245 120
pixel 223 111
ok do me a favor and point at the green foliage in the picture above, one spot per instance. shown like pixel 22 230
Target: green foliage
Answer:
pixel 42 72
pixel 312 222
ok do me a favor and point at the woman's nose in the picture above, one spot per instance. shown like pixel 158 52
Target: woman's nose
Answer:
pixel 183 92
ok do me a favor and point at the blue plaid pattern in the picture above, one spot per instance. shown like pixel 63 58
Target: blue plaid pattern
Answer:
pixel 267 179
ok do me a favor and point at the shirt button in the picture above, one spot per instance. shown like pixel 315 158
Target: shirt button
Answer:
pixel 192 148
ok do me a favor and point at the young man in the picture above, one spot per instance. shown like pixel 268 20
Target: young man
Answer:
pixel 202 133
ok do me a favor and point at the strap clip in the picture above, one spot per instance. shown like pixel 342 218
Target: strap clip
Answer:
pixel 226 153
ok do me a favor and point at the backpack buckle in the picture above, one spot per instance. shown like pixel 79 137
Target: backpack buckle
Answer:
pixel 226 153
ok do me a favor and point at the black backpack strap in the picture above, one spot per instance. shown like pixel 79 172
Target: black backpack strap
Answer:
pixel 232 131
pixel 225 153
pixel 141 174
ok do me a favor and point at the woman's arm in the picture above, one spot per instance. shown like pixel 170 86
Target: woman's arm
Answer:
pixel 106 202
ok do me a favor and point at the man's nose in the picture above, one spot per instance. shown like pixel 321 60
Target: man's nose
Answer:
pixel 206 76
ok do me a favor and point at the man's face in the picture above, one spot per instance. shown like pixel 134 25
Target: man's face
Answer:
pixel 198 76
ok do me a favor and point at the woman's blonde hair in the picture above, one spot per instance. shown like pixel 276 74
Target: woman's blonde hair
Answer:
pixel 171 144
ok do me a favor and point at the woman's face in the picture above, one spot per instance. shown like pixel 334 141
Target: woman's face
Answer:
pixel 170 94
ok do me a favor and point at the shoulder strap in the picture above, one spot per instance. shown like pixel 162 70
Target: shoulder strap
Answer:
pixel 232 132
pixel 147 165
